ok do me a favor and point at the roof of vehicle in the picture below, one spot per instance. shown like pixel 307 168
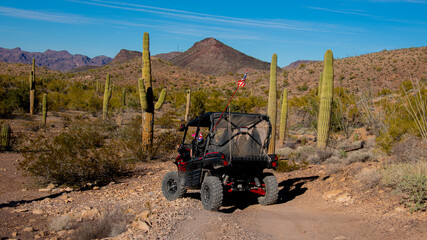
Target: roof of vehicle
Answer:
pixel 205 119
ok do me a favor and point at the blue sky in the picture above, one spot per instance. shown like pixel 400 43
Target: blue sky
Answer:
pixel 295 30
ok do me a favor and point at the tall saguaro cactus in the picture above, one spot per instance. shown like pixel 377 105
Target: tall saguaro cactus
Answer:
pixel 187 109
pixel 272 103
pixel 107 96
pixel 32 82
pixel 325 109
pixel 283 116
pixel 146 96
pixel 44 108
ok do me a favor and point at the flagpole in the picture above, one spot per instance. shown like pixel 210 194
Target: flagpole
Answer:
pixel 225 108
pixel 241 83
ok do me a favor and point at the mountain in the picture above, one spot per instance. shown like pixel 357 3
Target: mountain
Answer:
pixel 167 56
pixel 126 55
pixel 56 60
pixel 211 56
pixel 298 63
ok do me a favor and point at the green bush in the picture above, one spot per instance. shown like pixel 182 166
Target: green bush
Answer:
pixel 409 181
pixel 78 156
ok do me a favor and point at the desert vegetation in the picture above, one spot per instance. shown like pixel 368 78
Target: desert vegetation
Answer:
pixel 364 119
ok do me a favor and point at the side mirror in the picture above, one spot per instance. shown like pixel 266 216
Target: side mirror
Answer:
pixel 182 128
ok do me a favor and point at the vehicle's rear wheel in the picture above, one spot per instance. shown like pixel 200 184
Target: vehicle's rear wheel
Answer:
pixel 171 187
pixel 271 190
pixel 211 193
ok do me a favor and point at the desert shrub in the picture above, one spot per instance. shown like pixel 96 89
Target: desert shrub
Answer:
pixel 410 149
pixel 75 157
pixel 409 181
pixel 289 166
pixel 13 95
pixel 166 143
pixel 359 156
pixel 110 224
pixel 369 177
pixel 169 120
pixel 302 88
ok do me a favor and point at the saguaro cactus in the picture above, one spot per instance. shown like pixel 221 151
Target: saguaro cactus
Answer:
pixel 107 96
pixel 5 135
pixel 283 116
pixel 319 92
pixel 146 96
pixel 187 109
pixel 325 108
pixel 32 82
pixel 272 103
pixel 44 108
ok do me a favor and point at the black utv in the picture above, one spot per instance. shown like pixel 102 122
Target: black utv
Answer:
pixel 231 157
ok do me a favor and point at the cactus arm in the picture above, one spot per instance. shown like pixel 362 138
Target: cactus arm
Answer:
pixel 161 100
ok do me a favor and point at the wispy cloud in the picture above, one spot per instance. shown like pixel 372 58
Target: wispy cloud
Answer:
pixel 44 16
pixel 361 13
pixel 198 17
pixel 353 12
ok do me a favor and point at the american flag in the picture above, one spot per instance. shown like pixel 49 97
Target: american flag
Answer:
pixel 242 82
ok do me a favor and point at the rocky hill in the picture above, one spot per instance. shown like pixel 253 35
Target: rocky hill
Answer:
pixel 125 55
pixel 298 63
pixel 213 57
pixel 167 56
pixel 56 60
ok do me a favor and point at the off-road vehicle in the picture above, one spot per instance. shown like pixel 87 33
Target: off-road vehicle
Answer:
pixel 232 157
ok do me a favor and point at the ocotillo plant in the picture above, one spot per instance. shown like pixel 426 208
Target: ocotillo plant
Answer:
pixel 325 109
pixel 5 136
pixel 32 87
pixel 187 109
pixel 107 95
pixel 319 92
pixel 44 108
pixel 283 116
pixel 146 96
pixel 272 103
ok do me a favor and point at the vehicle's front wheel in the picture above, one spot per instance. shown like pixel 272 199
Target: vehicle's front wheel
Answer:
pixel 271 190
pixel 211 193
pixel 171 187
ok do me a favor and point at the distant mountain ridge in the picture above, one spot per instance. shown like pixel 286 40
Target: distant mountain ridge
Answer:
pixel 211 56
pixel 298 63
pixel 126 55
pixel 56 60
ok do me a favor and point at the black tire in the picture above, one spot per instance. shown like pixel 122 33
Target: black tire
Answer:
pixel 271 190
pixel 171 186
pixel 211 193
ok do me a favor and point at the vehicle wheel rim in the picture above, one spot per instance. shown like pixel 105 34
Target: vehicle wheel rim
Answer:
pixel 206 194
pixel 172 186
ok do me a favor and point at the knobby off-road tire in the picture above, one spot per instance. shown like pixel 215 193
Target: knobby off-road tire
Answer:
pixel 271 190
pixel 211 193
pixel 171 187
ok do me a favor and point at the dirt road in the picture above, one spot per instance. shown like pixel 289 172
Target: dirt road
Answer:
pixel 301 214
pixel 307 209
